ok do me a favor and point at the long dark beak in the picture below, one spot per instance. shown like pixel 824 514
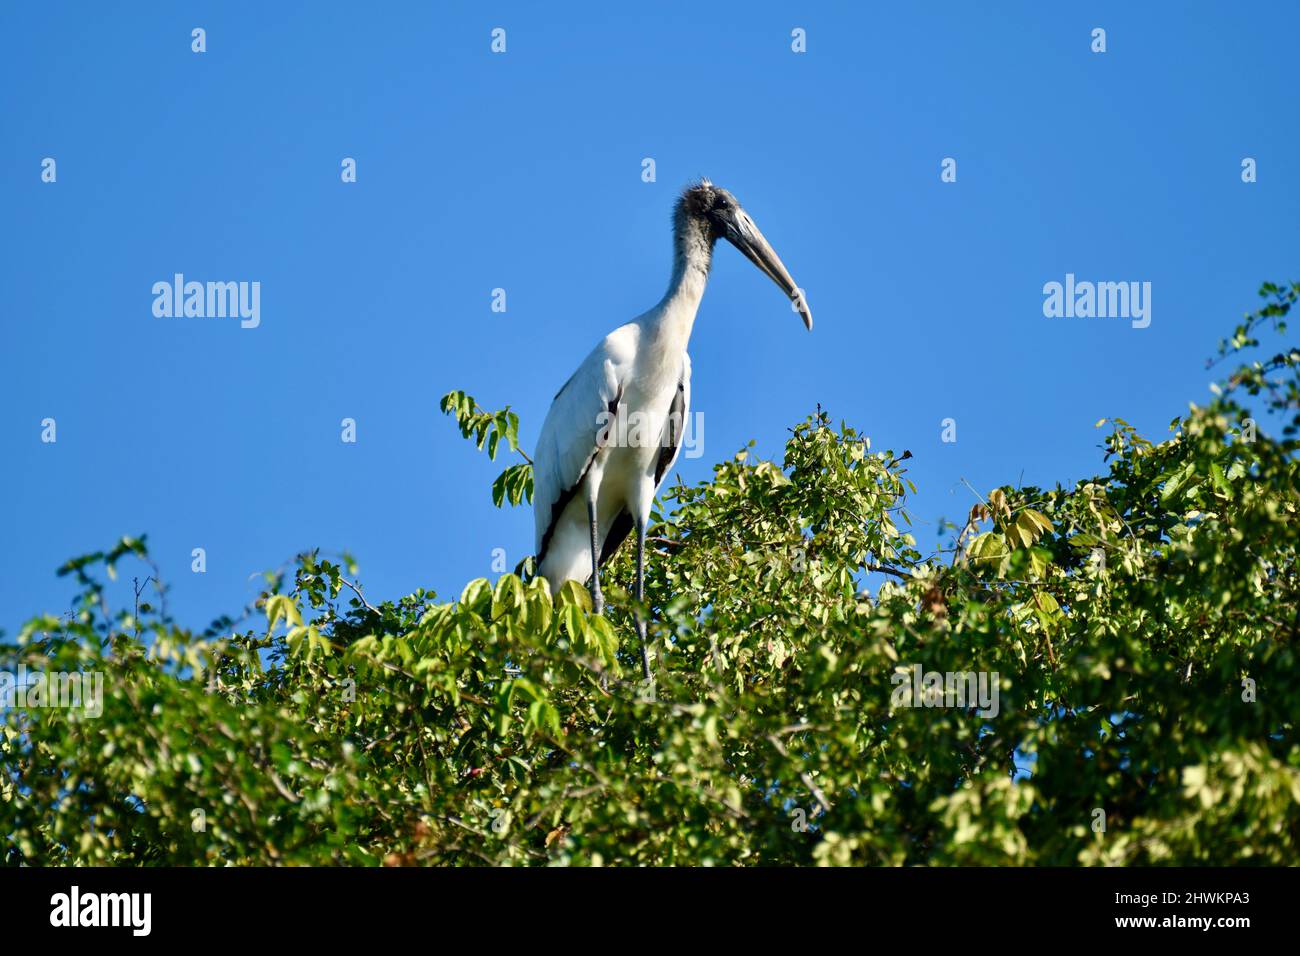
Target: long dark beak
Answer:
pixel 745 236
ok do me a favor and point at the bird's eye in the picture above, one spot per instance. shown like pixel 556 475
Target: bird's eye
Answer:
pixel 722 202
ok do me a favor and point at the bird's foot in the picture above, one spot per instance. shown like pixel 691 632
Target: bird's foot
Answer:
pixel 597 601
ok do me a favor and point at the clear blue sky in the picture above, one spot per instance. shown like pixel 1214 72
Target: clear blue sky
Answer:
pixel 523 171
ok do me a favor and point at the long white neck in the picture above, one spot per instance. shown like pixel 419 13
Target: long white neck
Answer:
pixel 674 317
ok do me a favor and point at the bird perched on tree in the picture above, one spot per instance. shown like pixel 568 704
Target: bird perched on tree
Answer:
pixel 615 427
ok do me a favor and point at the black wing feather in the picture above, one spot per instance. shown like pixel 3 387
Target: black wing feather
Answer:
pixel 566 496
pixel 623 523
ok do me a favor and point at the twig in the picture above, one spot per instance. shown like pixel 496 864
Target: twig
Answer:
pixel 361 597
pixel 807 779
pixel 887 570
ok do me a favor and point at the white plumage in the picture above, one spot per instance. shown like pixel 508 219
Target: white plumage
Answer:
pixel 615 427
pixel 642 366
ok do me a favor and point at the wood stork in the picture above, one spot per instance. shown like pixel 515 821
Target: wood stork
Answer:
pixel 615 427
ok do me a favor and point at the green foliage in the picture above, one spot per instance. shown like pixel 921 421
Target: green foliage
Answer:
pixel 1142 626
pixel 515 484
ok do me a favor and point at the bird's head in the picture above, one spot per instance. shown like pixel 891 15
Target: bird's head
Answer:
pixel 720 216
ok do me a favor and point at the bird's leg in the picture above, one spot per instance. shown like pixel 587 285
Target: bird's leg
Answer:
pixel 597 599
pixel 640 597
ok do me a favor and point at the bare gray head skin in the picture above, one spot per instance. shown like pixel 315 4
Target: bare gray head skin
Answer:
pixel 706 213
